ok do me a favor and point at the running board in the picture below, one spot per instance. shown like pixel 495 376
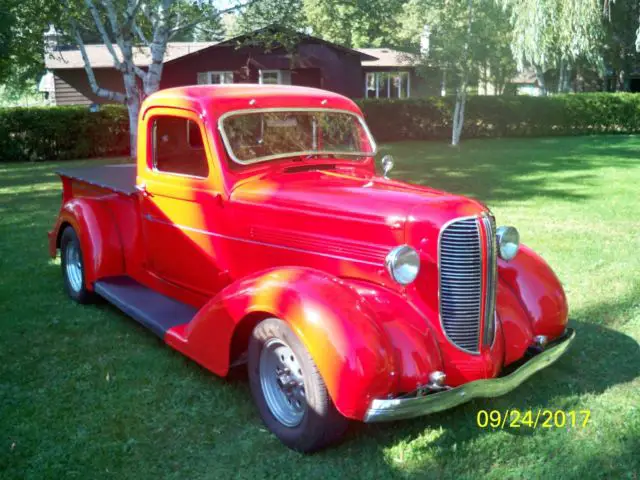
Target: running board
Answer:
pixel 153 310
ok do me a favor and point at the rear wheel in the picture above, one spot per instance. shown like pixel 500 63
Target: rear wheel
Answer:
pixel 289 392
pixel 73 267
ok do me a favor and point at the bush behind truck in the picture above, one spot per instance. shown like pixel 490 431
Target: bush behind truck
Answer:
pixel 39 134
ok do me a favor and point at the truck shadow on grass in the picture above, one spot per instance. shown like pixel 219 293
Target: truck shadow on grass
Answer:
pixel 599 359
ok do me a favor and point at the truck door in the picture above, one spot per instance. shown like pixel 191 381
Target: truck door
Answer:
pixel 181 211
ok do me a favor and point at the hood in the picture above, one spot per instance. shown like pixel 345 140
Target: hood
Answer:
pixel 338 195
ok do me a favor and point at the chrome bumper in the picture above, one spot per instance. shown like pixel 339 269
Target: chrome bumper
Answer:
pixel 399 408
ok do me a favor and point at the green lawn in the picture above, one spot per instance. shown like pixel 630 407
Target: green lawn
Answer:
pixel 86 393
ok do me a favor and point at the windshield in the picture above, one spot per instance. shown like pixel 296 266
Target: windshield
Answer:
pixel 257 136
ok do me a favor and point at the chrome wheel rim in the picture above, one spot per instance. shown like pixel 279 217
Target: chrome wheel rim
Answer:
pixel 73 266
pixel 282 382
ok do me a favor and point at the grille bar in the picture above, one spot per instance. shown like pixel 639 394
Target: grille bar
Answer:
pixel 491 272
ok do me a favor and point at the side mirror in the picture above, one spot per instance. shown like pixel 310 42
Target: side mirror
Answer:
pixel 387 165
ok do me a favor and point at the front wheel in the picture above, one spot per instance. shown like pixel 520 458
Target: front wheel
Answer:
pixel 73 267
pixel 289 392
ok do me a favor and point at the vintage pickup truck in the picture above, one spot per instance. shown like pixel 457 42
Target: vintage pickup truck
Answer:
pixel 254 229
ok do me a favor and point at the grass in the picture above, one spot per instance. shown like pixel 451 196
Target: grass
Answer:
pixel 86 393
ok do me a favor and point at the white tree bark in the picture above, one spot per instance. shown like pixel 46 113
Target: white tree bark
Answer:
pixel 461 95
pixel 458 113
pixel 95 88
pixel 125 33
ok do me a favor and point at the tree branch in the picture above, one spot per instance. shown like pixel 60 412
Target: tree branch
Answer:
pixel 103 32
pixel 95 88
pixel 142 75
pixel 138 31
pixel 130 14
pixel 113 20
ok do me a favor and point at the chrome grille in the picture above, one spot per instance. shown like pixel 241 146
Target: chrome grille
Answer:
pixel 460 266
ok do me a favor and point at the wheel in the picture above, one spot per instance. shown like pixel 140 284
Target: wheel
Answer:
pixel 289 392
pixel 73 267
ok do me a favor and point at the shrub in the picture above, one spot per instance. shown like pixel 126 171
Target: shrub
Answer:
pixel 487 116
pixel 62 133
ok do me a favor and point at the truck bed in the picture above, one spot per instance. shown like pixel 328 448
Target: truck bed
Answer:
pixel 119 178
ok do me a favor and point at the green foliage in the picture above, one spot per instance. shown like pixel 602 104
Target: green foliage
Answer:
pixel 22 25
pixel 504 116
pixel 355 23
pixel 62 133
pixel 549 32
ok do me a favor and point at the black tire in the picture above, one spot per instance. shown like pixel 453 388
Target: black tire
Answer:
pixel 321 423
pixel 70 247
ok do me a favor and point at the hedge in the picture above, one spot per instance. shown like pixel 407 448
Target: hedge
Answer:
pixel 61 133
pixel 505 116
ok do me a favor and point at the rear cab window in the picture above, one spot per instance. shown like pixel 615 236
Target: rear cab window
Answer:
pixel 178 147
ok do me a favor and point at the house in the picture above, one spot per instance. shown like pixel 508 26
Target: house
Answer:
pixel 365 72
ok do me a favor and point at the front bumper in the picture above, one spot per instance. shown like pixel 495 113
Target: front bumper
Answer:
pixel 382 410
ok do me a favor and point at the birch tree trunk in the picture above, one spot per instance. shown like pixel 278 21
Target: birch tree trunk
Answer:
pixel 458 112
pixel 461 94
pixel 126 33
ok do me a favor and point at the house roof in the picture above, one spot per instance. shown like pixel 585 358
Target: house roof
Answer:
pixel 388 57
pixel 232 42
pixel 100 57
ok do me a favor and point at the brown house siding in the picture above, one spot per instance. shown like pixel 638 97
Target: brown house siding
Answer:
pixel 65 94
pixel 338 71
pixel 72 86
pixel 314 63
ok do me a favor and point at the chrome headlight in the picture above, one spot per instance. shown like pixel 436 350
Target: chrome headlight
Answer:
pixel 508 242
pixel 403 264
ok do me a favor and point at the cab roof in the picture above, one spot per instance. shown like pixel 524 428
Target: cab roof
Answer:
pixel 215 100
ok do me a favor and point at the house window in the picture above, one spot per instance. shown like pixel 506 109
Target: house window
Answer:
pixel 387 85
pixel 178 147
pixel 205 78
pixel 275 77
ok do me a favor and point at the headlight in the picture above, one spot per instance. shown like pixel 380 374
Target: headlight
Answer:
pixel 508 242
pixel 403 264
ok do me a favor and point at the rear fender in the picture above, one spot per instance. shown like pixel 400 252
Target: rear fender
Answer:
pixel 352 346
pixel 99 239
pixel 539 291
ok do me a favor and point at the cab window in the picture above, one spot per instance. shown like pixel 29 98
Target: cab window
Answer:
pixel 178 147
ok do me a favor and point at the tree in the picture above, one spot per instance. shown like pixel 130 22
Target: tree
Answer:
pixel 355 23
pixel 467 36
pixel 21 27
pixel 123 25
pixel 287 14
pixel 555 34
pixel 620 47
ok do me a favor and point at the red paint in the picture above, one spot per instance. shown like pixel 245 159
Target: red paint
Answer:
pixel 251 242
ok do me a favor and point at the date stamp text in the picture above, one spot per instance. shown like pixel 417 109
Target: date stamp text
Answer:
pixel 544 418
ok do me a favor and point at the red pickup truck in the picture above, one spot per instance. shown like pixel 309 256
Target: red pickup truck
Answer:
pixel 254 229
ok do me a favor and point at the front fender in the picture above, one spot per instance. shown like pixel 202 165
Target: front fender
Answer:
pixel 539 291
pixel 352 347
pixel 101 247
